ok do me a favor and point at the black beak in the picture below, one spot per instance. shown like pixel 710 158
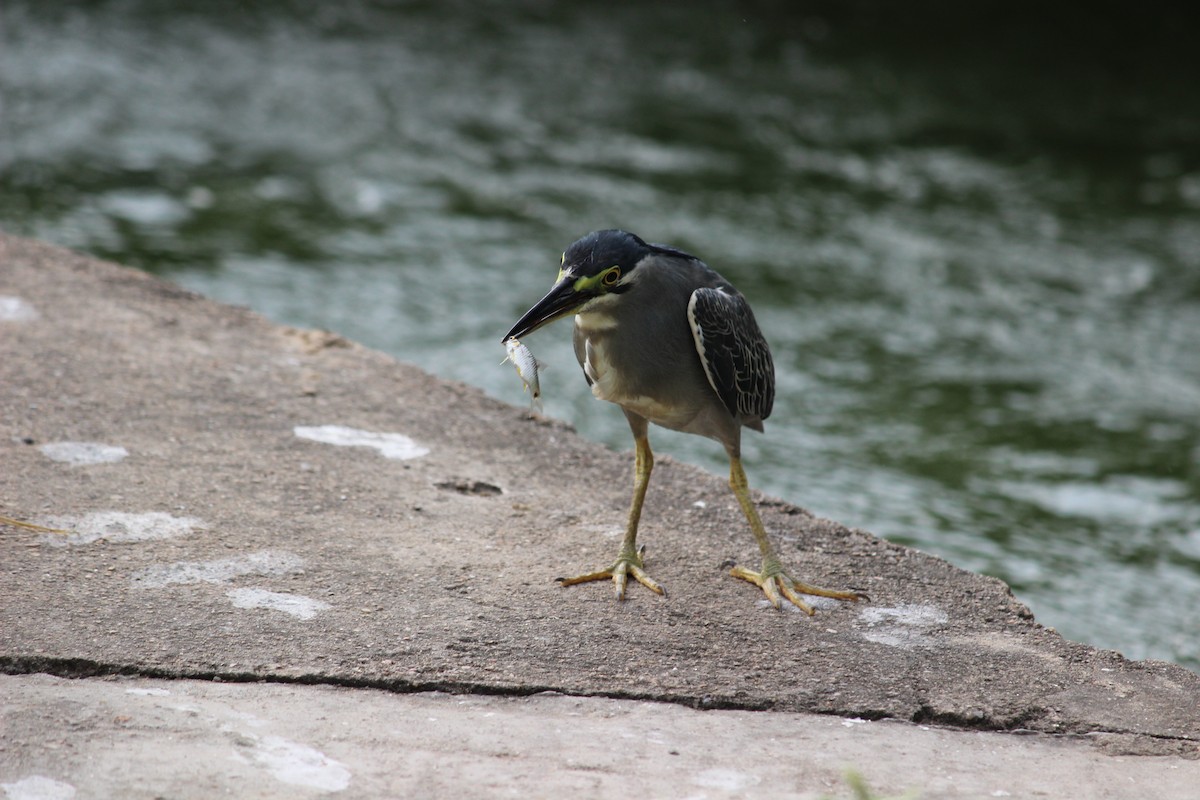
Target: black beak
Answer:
pixel 558 302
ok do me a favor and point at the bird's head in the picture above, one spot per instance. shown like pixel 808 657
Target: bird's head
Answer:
pixel 595 269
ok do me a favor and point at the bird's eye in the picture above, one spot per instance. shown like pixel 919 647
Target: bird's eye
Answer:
pixel 612 276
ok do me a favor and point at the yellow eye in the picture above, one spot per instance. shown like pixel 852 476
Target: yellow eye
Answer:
pixel 611 276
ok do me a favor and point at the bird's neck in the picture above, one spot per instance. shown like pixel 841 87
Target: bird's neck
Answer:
pixel 595 319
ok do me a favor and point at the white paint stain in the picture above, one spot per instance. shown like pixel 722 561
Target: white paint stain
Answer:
pixel 80 454
pixel 298 764
pixel 14 309
pixel 816 601
pixel 905 640
pixel 38 787
pixel 295 604
pixel 390 445
pixel 268 563
pixel 729 780
pixel 905 626
pixel 918 615
pixel 119 527
pixel 287 761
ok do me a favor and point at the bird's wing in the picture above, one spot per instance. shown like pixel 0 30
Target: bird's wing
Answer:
pixel 734 353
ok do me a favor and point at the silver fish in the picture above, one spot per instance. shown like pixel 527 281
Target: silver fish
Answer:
pixel 527 367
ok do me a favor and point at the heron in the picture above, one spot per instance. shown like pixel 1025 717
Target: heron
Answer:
pixel 669 340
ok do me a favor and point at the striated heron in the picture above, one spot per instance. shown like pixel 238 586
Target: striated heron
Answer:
pixel 671 342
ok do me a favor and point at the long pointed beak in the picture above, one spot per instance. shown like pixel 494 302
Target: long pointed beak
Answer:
pixel 558 302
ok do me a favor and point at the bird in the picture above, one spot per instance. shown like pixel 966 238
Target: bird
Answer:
pixel 669 340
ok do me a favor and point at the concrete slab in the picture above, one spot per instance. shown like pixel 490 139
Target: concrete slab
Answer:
pixel 253 502
pixel 138 738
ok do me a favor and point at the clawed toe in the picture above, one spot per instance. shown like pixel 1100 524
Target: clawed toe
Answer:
pixel 628 563
pixel 777 584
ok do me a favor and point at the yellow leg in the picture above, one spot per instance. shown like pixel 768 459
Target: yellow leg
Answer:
pixel 629 559
pixel 772 578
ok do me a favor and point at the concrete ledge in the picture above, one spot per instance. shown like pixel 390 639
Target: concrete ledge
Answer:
pixel 139 738
pixel 257 503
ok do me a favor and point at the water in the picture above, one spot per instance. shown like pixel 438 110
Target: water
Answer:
pixel 975 249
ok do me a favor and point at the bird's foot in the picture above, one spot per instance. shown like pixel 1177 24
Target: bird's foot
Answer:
pixel 774 582
pixel 628 563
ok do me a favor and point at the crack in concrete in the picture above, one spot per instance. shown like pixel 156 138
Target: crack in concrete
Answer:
pixel 81 668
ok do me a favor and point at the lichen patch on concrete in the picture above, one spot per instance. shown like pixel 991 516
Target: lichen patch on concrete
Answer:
pixel 296 764
pixel 81 454
pixel 119 527
pixel 906 626
pixel 267 563
pixel 38 787
pixel 389 445
pixel 297 605
pixel 15 309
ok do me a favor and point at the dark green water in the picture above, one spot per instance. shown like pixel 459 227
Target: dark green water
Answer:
pixel 974 243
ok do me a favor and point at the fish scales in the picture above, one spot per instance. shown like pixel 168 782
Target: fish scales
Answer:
pixel 527 368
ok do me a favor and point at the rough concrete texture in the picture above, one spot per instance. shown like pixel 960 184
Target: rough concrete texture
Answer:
pixel 256 503
pixel 202 739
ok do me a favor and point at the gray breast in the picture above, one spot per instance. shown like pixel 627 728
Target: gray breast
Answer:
pixel 637 350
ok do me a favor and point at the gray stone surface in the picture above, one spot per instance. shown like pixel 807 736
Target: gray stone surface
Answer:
pixel 138 738
pixel 259 503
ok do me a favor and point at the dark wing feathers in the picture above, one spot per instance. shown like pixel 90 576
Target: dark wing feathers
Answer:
pixel 733 351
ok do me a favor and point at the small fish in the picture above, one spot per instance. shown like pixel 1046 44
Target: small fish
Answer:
pixel 527 367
